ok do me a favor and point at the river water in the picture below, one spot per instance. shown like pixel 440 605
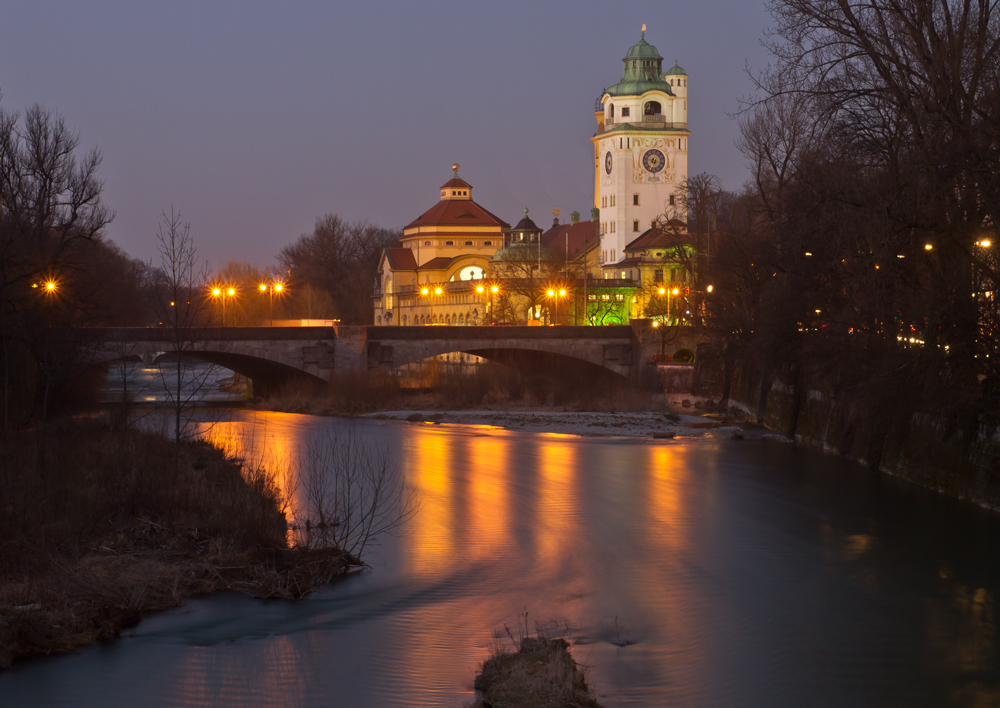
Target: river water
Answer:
pixel 735 573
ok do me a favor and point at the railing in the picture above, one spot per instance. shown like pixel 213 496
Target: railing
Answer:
pixel 647 121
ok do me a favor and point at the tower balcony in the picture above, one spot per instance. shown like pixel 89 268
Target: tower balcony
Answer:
pixel 653 122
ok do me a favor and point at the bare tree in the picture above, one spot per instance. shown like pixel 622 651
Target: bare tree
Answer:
pixel 354 492
pixel 181 301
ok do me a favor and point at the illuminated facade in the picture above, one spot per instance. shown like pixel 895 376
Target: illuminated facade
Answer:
pixel 461 265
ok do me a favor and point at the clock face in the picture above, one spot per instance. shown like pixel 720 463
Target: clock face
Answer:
pixel 607 163
pixel 653 160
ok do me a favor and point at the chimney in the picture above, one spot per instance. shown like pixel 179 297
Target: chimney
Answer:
pixel 574 217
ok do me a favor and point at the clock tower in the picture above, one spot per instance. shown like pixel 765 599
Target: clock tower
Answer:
pixel 640 149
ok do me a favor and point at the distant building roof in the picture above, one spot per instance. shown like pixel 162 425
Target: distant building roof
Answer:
pixel 583 236
pixel 657 238
pixel 456 183
pixel 457 213
pixel 439 263
pixel 400 258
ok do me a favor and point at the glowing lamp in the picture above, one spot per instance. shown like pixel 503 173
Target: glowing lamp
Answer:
pixel 277 287
pixel 263 288
pixel 437 291
pixel 495 289
pixel 479 288
pixel 424 291
pixel 662 291
pixel 216 292
pixel 50 286
pixel 709 288
pixel 231 291
pixel 551 293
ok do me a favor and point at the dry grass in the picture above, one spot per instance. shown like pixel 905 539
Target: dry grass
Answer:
pixel 473 387
pixel 96 529
pixel 533 672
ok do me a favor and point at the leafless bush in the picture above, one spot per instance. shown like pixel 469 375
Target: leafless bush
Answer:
pixel 354 492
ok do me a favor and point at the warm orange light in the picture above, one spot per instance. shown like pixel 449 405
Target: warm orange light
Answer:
pixel 479 288
pixel 495 289
pixel 231 291
pixel 985 243
pixel 676 291
pixel 263 288
pixel 216 292
pixel 278 287
pixel 424 291
pixel 662 291
pixel 562 293
pixel 437 291
pixel 551 293
pixel 50 286
pixel 709 288
pixel 655 323
pixel 928 247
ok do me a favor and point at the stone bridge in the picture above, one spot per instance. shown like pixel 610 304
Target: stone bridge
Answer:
pixel 271 356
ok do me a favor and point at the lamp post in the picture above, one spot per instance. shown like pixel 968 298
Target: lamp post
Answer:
pixel 271 289
pixel 223 293
pixel 556 295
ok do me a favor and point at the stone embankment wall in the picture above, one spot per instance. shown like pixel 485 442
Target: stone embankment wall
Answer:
pixel 954 454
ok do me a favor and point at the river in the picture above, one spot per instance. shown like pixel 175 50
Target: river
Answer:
pixel 686 573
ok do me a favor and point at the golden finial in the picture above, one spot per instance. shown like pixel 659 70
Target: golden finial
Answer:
pixel 455 168
pixel 555 212
pixel 643 29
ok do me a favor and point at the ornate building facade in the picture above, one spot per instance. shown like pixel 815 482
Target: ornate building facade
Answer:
pixel 640 150
pixel 459 264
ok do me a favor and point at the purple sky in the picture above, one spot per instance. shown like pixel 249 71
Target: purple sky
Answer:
pixel 254 118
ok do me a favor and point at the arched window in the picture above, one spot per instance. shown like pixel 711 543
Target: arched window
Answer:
pixel 611 110
pixel 652 108
pixel 447 319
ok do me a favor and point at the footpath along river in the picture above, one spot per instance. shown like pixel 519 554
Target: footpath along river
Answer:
pixel 736 573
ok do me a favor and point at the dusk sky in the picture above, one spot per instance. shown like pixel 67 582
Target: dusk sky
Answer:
pixel 255 118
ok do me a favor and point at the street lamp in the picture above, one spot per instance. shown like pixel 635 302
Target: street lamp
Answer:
pixel 556 295
pixel 271 289
pixel 223 294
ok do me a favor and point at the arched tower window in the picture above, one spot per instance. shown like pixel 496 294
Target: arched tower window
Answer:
pixel 652 108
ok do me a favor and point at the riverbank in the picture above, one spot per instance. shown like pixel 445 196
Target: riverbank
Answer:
pixel 99 527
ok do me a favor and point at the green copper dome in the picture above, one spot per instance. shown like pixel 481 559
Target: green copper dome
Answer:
pixel 642 50
pixel 676 70
pixel 643 71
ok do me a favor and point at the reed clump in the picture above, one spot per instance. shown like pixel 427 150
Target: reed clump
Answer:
pixel 533 671
pixel 98 526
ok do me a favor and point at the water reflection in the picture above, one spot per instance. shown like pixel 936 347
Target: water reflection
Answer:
pixel 735 574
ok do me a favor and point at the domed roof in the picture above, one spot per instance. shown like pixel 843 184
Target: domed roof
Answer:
pixel 525 252
pixel 643 65
pixel 526 224
pixel 675 70
pixel 643 50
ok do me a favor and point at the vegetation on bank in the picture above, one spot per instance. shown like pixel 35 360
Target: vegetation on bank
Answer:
pixel 98 526
pixel 443 386
pixel 533 672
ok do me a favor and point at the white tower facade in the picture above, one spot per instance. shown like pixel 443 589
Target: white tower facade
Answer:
pixel 640 149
